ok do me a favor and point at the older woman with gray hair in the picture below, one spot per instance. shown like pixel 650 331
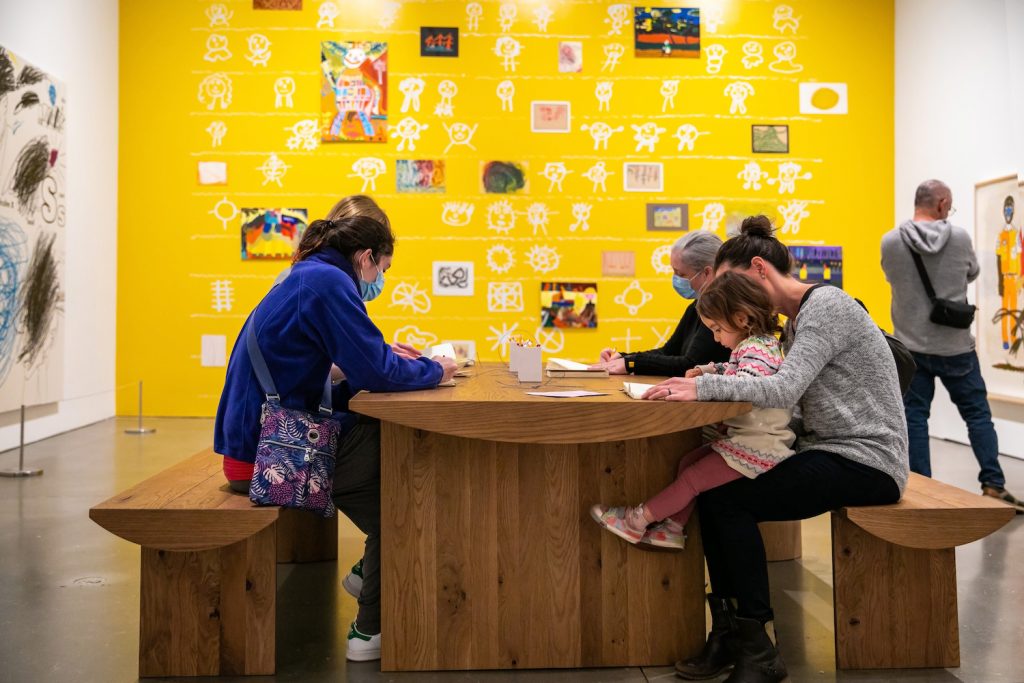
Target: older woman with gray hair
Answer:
pixel 692 260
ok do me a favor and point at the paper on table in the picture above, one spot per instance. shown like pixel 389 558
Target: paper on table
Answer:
pixel 563 364
pixel 636 389
pixel 565 394
pixel 446 350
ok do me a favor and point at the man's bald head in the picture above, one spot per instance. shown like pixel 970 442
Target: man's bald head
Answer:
pixel 933 198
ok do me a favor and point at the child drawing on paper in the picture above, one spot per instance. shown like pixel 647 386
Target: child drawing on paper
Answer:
pixel 739 314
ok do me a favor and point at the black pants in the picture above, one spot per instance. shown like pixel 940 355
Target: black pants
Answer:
pixel 802 486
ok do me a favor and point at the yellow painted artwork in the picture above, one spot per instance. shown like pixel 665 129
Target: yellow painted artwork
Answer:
pixel 244 87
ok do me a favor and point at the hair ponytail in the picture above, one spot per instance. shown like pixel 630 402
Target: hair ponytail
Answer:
pixel 347 235
pixel 756 238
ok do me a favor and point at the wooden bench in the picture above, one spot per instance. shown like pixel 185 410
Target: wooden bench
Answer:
pixel 894 575
pixel 209 568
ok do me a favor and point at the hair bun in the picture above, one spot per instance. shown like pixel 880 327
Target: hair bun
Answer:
pixel 757 226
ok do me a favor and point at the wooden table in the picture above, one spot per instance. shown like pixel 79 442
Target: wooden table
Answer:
pixel 489 557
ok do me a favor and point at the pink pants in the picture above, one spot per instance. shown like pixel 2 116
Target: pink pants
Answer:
pixel 699 470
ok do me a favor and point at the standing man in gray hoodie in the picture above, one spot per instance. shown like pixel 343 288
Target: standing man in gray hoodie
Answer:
pixel 943 352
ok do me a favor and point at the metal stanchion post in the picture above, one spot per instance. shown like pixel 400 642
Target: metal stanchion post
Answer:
pixel 140 429
pixel 21 471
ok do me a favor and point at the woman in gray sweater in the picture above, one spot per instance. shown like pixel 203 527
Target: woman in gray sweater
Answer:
pixel 851 447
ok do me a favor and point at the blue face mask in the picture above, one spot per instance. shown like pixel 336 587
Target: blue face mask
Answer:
pixel 369 291
pixel 683 287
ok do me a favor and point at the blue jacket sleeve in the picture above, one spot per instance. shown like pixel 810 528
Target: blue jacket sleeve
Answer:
pixel 356 346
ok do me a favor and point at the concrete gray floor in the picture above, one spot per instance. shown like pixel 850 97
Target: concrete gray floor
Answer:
pixel 69 590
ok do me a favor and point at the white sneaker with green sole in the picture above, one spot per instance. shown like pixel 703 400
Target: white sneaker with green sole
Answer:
pixel 361 647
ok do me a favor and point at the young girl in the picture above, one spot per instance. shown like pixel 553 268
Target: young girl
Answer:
pixel 738 312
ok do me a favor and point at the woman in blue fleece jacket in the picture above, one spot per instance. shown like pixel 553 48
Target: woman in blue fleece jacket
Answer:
pixel 313 319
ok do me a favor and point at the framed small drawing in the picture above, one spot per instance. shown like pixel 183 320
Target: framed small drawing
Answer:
pixel 439 41
pixel 643 176
pixel 550 117
pixel 674 217
pixel 453 278
pixel 769 139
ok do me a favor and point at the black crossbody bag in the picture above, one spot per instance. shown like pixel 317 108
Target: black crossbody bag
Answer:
pixel 944 311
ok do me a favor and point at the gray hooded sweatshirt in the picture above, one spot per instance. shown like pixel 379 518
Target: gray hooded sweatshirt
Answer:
pixel 949 258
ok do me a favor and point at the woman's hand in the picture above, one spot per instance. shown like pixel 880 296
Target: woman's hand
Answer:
pixel 448 365
pixel 675 389
pixel 615 366
pixel 607 355
pixel 406 351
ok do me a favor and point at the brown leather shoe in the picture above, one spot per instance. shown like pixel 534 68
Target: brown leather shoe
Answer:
pixel 1005 496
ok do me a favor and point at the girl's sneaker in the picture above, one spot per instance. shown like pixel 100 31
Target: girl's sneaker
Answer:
pixel 627 523
pixel 667 534
pixel 353 581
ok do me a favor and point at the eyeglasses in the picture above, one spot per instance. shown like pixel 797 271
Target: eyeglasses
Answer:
pixel 952 210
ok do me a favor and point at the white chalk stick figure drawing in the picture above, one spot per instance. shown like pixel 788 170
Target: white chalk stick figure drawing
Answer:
pixel 627 341
pixel 273 170
pixel 447 90
pixel 613 52
pixel 414 336
pixel 474 11
pixel 506 91
pixel 223 293
pixel 788 174
pixel 543 259
pixel 508 48
pixel 411 89
pixel 598 174
pixel 217 48
pixel 284 88
pixel 753 54
pixel 603 93
pixel 550 339
pixel 410 295
pixel 369 169
pixel 634 297
pixel 388 14
pixel 619 16
pixel 687 135
pixel 460 134
pixel 457 214
pixel 507 14
pixel 783 19
pixel 715 56
pixel 500 337
pixel 751 176
pixel 555 172
pixel 408 132
pixel 600 132
pixel 581 212
pixel 504 297
pixel 669 89
pixel 738 92
pixel 500 258
pixel 785 53
pixel 712 17
pixel 259 49
pixel 219 15
pixel 538 215
pixel 713 215
pixel 215 91
pixel 304 135
pixel 217 131
pixel 661 336
pixel 647 135
pixel 501 217
pixel 225 211
pixel 792 212
pixel 542 17
pixel 660 259
pixel 327 13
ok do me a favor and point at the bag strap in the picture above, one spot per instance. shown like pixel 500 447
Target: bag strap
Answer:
pixel 925 280
pixel 259 366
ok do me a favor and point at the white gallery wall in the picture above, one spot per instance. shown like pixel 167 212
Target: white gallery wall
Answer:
pixel 77 43
pixel 959 104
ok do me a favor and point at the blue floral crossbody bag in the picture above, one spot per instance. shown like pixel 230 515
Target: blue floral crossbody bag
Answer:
pixel 296 451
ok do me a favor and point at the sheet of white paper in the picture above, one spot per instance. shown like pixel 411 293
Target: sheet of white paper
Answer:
pixel 565 394
pixel 446 350
pixel 636 389
pixel 564 364
pixel 213 173
pixel 215 350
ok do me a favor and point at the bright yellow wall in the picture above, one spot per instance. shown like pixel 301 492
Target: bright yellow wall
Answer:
pixel 171 248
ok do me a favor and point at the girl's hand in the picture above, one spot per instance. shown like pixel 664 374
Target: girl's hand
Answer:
pixel 609 354
pixel 694 372
pixel 675 389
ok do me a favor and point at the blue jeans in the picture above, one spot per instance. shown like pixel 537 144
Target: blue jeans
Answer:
pixel 961 375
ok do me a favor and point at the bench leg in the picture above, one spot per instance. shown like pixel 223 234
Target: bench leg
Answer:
pixel 895 607
pixel 211 612
pixel 304 537
pixel 782 540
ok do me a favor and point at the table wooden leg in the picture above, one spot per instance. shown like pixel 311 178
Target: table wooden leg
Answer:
pixel 305 537
pixel 895 607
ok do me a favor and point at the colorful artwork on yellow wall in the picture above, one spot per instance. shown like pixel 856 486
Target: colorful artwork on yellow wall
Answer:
pixel 353 91
pixel 818 264
pixel 503 177
pixel 666 32
pixel 420 175
pixel 568 305
pixel 271 234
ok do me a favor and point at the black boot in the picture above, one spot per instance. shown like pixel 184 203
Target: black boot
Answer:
pixel 759 660
pixel 719 653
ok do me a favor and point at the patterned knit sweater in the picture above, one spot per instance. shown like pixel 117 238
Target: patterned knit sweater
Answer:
pixel 759 440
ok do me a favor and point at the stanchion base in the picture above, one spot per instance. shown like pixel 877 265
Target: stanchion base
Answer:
pixel 140 430
pixel 14 473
